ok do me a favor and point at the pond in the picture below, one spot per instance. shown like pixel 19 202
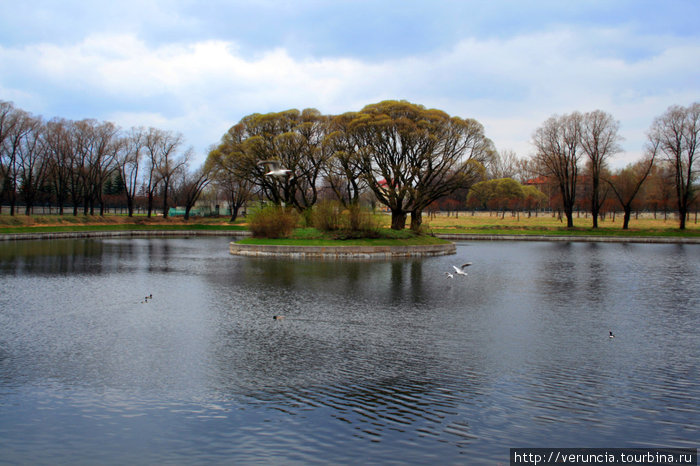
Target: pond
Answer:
pixel 375 361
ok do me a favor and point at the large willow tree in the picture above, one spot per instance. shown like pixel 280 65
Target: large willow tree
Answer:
pixel 407 155
pixel 292 138
pixel 412 156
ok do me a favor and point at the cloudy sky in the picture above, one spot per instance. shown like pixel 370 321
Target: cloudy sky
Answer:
pixel 198 67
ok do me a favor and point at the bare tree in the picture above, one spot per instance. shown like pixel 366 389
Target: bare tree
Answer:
pixel 676 134
pixel 59 142
pixel 627 182
pixel 8 119
pixel 558 155
pixel 82 136
pixel 19 124
pixel 222 163
pixel 599 141
pixel 171 165
pixel 33 162
pixel 102 158
pixel 525 170
pixel 191 187
pixel 129 161
pixel 504 164
pixel 161 150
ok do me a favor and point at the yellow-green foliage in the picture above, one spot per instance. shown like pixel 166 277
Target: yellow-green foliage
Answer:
pixel 355 221
pixel 273 222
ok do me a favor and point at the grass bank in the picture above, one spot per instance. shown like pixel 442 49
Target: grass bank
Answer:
pixel 465 223
pixel 546 225
pixel 81 223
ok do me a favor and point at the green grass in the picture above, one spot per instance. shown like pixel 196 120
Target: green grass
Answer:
pixel 313 237
pixel 484 224
pixel 500 230
pixel 120 227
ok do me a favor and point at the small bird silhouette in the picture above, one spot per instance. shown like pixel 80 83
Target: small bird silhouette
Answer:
pixel 611 334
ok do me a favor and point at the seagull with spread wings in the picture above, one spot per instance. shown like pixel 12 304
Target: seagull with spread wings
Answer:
pixel 460 270
pixel 274 168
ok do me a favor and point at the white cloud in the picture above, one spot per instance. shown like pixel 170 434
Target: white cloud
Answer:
pixel 511 85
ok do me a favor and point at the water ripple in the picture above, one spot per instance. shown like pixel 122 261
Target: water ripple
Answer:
pixel 376 362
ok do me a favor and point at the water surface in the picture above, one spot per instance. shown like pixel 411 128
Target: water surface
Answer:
pixel 375 362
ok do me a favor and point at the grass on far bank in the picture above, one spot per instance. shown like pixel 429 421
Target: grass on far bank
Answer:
pixel 68 223
pixel 479 223
pixel 545 224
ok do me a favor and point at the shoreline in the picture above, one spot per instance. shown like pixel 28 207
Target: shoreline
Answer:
pixel 117 234
pixel 571 238
pixel 342 252
pixel 447 236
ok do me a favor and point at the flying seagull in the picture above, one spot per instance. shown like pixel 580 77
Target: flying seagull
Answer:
pixel 449 275
pixel 274 168
pixel 459 271
pixel 611 334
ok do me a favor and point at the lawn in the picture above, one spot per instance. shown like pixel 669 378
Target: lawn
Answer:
pixel 67 223
pixel 492 224
pixel 466 223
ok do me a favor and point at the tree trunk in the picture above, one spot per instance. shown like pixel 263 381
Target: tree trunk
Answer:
pixel 626 218
pixel 398 220
pixel 594 214
pixel 234 213
pixel 682 215
pixel 416 220
pixel 165 201
pixel 569 217
pixel 150 204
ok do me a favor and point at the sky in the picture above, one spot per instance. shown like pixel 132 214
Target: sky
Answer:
pixel 198 67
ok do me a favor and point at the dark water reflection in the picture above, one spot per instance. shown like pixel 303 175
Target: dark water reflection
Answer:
pixel 376 362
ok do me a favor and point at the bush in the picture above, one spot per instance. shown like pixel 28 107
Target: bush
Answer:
pixel 354 222
pixel 359 219
pixel 306 219
pixel 327 215
pixel 273 222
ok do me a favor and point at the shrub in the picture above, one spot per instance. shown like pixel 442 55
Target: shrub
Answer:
pixel 273 222
pixel 353 222
pixel 327 215
pixel 307 219
pixel 360 219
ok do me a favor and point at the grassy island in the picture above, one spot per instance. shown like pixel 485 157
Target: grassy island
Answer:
pixel 314 237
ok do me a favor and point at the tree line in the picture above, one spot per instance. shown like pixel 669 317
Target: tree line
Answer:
pixel 412 159
pixel 65 162
pixel 399 154
pixel 569 146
